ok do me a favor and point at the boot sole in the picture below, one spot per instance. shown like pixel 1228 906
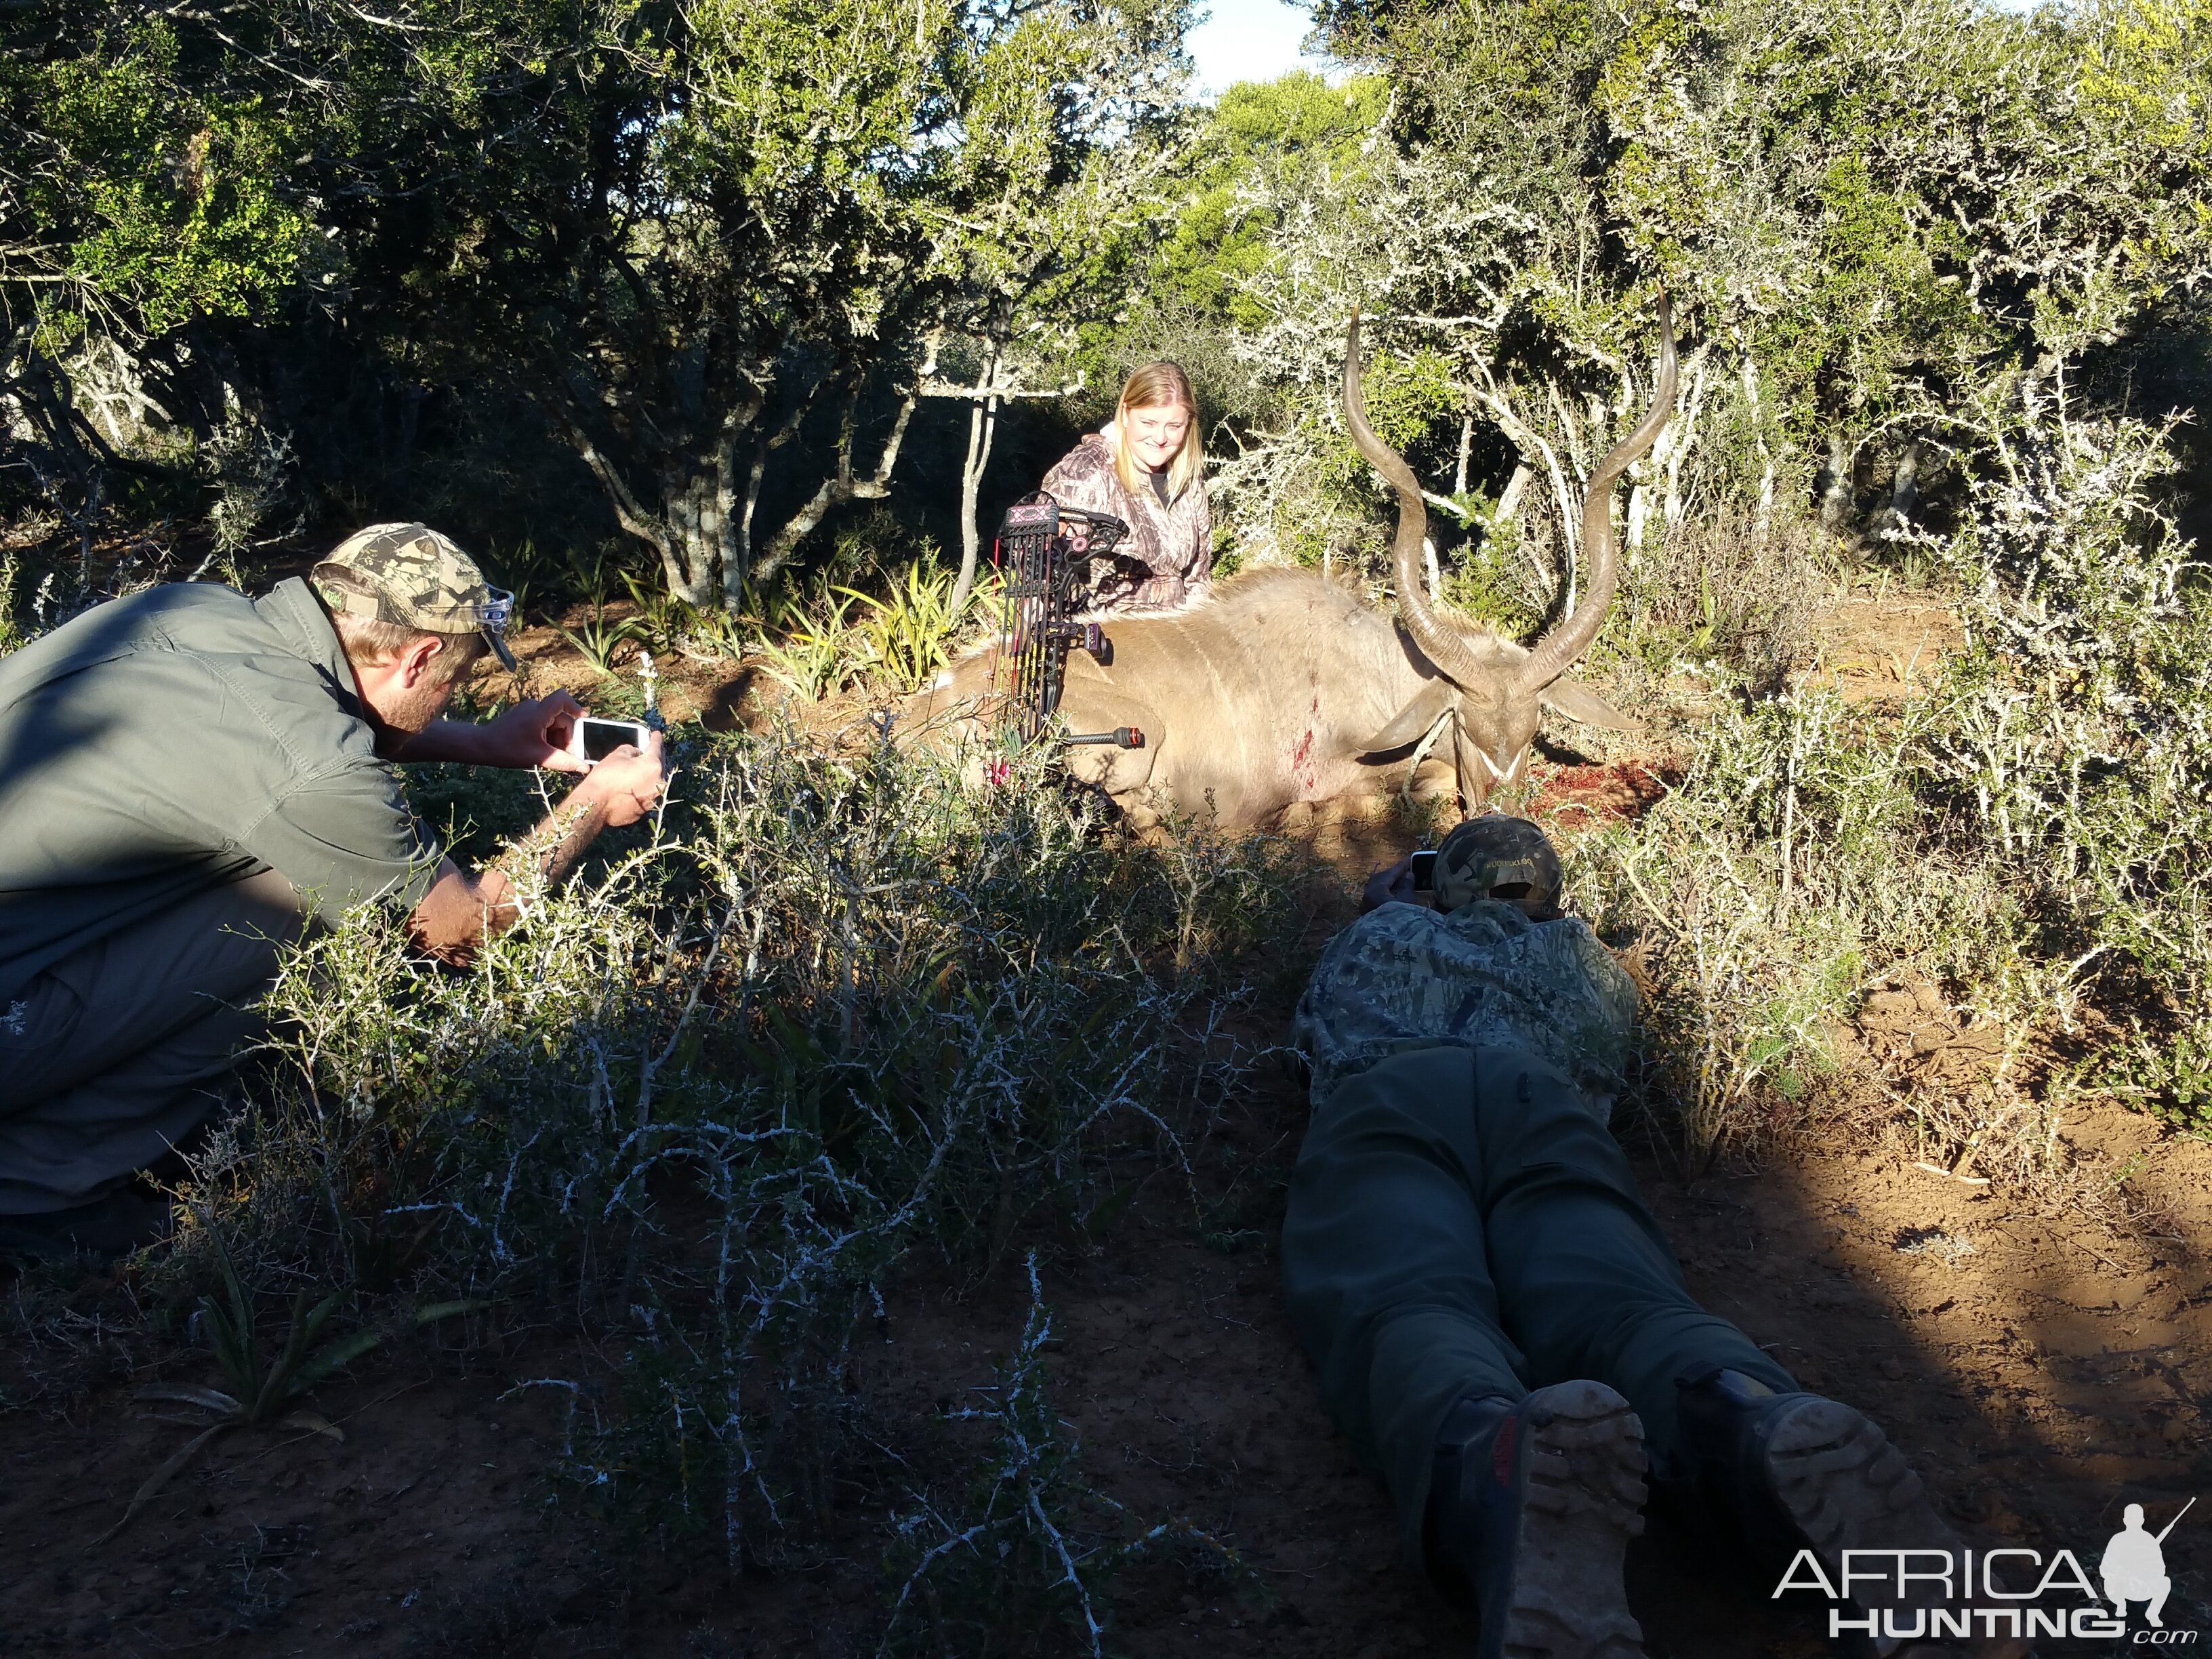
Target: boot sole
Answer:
pixel 1848 1488
pixel 1584 1501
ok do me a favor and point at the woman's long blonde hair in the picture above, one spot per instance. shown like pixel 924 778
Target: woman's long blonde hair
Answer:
pixel 1157 386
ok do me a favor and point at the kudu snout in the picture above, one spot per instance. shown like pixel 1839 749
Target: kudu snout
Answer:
pixel 1495 690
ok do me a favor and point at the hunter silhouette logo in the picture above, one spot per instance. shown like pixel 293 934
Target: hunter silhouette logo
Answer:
pixel 1906 1594
pixel 2134 1567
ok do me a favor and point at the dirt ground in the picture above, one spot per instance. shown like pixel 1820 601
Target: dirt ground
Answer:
pixel 2039 1370
pixel 1881 646
pixel 2040 1366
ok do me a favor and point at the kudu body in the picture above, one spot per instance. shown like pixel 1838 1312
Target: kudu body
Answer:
pixel 1285 687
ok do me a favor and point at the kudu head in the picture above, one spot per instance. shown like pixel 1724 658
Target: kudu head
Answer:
pixel 1495 690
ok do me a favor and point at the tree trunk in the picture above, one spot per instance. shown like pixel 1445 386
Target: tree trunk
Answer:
pixel 982 430
pixel 629 513
pixel 835 489
pixel 1524 438
pixel 733 572
pixel 1766 520
pixel 692 506
pixel 1905 489
pixel 1516 490
pixel 695 532
pixel 1836 490
pixel 842 486
pixel 1683 429
pixel 700 501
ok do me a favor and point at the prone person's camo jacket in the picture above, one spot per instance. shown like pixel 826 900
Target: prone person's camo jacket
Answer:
pixel 1174 543
pixel 1404 976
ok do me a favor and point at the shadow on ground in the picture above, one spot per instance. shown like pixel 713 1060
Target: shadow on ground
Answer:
pixel 2040 1369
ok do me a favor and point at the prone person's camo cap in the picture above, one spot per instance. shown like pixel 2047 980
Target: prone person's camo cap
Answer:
pixel 410 574
pixel 1493 851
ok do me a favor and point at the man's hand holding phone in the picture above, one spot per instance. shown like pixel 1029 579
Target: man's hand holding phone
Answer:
pixel 626 780
pixel 1407 882
pixel 592 740
pixel 539 732
pixel 622 775
pixel 535 733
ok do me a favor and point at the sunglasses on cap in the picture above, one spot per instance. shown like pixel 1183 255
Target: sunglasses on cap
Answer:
pixel 492 616
pixel 495 611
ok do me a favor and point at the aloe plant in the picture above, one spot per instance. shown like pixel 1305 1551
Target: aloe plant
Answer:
pixel 255 1396
pixel 599 640
pixel 816 654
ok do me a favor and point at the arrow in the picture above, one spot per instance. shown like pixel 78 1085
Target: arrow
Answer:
pixel 2176 1521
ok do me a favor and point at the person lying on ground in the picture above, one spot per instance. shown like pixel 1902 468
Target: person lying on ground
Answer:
pixel 1148 468
pixel 1499 1327
pixel 189 779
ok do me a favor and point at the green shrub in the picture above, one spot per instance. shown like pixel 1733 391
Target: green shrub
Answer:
pixel 2034 834
pixel 2078 738
pixel 1793 866
pixel 1031 1570
pixel 839 1015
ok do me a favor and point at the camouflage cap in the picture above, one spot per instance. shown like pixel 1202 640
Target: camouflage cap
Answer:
pixel 1485 854
pixel 410 574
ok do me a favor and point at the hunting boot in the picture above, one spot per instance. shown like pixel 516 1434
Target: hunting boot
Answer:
pixel 1531 1506
pixel 1780 1473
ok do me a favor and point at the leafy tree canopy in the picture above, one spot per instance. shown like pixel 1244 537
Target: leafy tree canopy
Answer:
pixel 677 229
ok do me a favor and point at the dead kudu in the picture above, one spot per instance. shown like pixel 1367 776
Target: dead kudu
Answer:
pixel 1285 687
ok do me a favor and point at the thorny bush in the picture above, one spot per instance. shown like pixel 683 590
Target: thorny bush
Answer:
pixel 2080 734
pixel 1793 868
pixel 2035 835
pixel 1021 1576
pixel 832 1017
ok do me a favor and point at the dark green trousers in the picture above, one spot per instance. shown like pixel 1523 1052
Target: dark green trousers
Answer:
pixel 121 1052
pixel 1462 1222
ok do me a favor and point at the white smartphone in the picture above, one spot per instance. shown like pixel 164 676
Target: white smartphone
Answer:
pixel 591 739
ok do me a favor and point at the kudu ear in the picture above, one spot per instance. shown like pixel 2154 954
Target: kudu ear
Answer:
pixel 1579 702
pixel 1412 721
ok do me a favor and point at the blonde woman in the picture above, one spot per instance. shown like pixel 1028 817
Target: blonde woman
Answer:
pixel 1148 468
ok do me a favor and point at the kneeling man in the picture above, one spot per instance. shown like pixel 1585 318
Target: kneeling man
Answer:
pixel 2134 1569
pixel 1499 1325
pixel 188 779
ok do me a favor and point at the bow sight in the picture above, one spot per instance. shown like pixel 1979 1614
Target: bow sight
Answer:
pixel 1043 553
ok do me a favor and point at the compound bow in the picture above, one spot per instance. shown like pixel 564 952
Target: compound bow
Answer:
pixel 1042 554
